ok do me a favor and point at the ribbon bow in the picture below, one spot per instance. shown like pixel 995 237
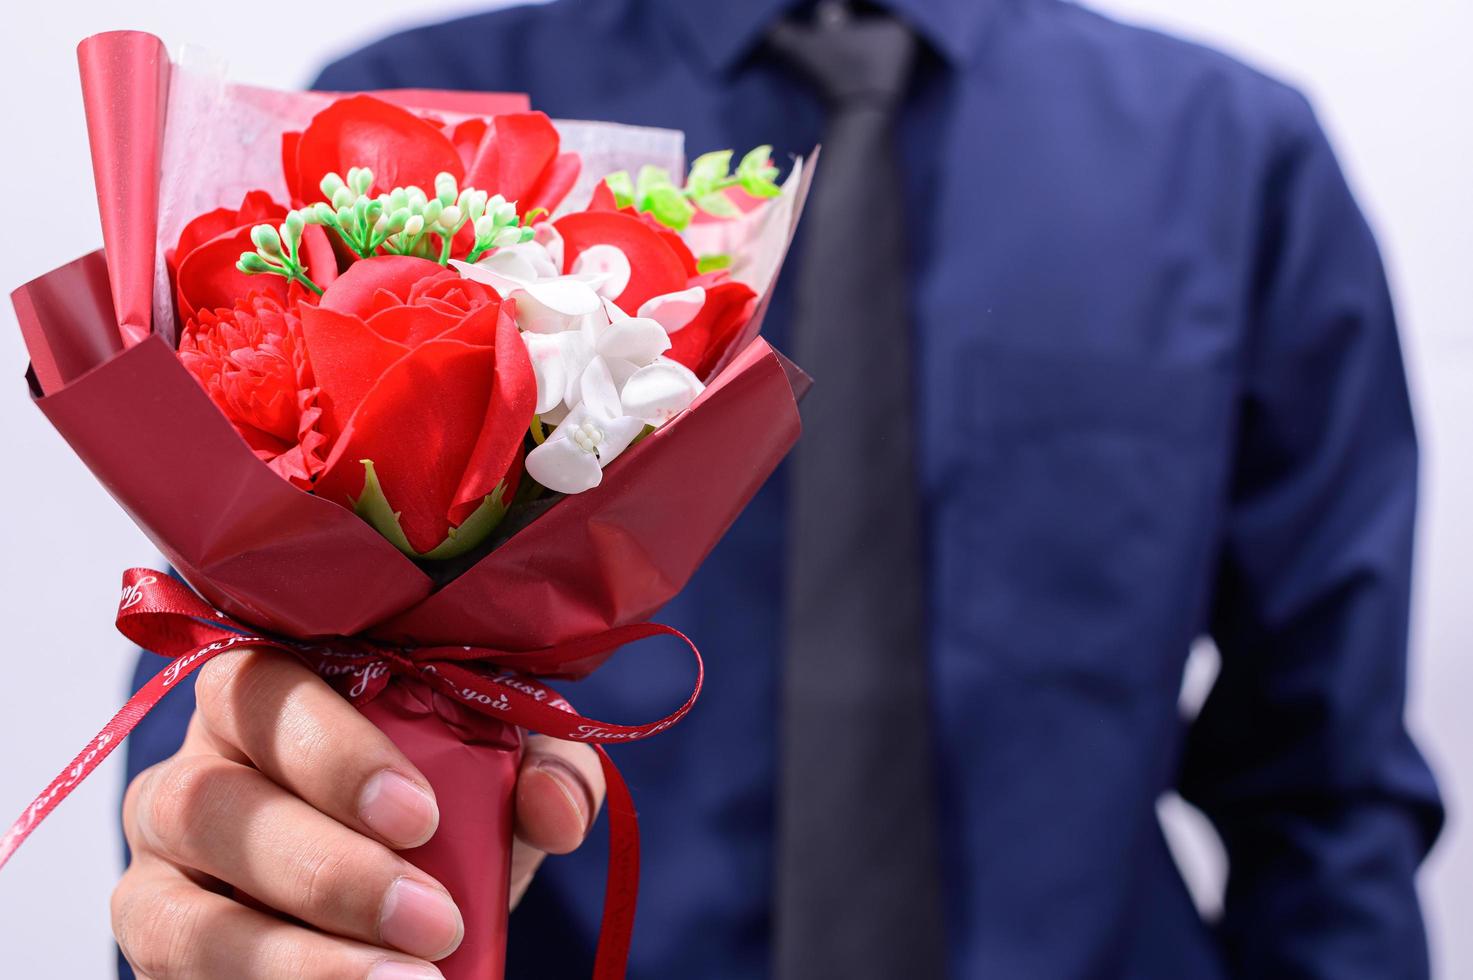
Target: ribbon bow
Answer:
pixel 160 614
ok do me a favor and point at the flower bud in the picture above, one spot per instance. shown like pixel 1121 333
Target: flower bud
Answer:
pixel 397 220
pixel 323 214
pixel 507 236
pixel 345 217
pixel 450 217
pixel 295 224
pixel 330 185
pixel 361 179
pixel 414 224
pixel 398 200
pixel 417 198
pixel 475 206
pixel 485 231
pixel 343 197
pixel 445 188
pixel 251 263
pixel 265 238
pixel 432 211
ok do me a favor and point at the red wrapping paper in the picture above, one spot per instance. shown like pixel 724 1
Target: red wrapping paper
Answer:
pixel 299 567
pixel 471 852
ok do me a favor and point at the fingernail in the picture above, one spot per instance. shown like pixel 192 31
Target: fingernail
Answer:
pixel 398 810
pixel 404 971
pixel 572 786
pixel 420 919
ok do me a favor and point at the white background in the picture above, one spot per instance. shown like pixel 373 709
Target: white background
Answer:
pixel 1392 82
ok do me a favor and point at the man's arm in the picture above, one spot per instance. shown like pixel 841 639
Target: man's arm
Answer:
pixel 1300 756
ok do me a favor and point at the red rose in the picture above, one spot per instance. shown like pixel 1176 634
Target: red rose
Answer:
pixel 250 360
pixel 425 386
pixel 203 262
pixel 661 263
pixel 514 155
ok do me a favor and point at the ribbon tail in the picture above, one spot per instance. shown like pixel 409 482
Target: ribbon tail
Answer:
pixel 127 718
pixel 621 891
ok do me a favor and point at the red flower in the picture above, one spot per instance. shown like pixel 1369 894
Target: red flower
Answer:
pixel 422 374
pixel 203 262
pixel 700 344
pixel 514 155
pixel 661 263
pixel 251 361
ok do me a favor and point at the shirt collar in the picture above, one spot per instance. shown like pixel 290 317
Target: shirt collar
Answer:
pixel 721 32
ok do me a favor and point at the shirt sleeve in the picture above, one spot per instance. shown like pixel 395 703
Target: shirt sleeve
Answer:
pixel 1300 755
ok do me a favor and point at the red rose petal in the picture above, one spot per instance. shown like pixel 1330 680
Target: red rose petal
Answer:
pixel 347 359
pixel 467 138
pixel 412 325
pixel 655 267
pixel 255 208
pixel 603 198
pixel 361 131
pixel 207 278
pixel 289 143
pixel 516 150
pixel 556 181
pixel 419 424
pixel 355 291
pixel 699 344
pixel 508 414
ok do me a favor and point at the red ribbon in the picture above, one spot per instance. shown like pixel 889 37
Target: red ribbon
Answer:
pixel 161 614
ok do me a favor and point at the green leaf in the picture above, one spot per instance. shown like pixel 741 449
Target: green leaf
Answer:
pixel 718 204
pixel 670 208
pixel 623 187
pixel 374 508
pixel 707 171
pixel 650 179
pixel 757 175
pixel 713 263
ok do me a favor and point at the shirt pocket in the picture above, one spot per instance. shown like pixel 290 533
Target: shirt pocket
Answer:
pixel 1075 524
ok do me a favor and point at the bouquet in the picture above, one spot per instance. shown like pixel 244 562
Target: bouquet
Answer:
pixel 439 395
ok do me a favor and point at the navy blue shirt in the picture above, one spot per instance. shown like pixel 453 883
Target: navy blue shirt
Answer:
pixel 1161 397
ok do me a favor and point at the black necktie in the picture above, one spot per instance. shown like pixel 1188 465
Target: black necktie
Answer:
pixel 858 894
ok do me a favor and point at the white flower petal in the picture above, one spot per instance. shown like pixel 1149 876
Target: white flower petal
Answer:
pixel 495 276
pixel 563 466
pixel 545 233
pixel 618 434
pixel 600 397
pixel 608 261
pixel 674 310
pixel 549 356
pixel 613 312
pixel 565 295
pixel 621 370
pixel 659 392
pixel 634 338
pixel 532 255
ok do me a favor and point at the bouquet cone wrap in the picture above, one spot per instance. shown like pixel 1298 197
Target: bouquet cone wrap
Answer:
pixel 293 569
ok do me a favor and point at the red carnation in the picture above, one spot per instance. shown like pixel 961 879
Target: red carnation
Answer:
pixel 251 361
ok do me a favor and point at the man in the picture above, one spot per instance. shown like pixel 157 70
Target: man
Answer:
pixel 1157 394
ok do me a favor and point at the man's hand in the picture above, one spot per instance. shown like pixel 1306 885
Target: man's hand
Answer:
pixel 284 791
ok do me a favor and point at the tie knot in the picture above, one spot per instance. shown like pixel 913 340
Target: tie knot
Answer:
pixel 854 59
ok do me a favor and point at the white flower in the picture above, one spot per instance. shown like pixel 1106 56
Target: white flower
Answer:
pixel 622 386
pixel 592 436
pixel 600 374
